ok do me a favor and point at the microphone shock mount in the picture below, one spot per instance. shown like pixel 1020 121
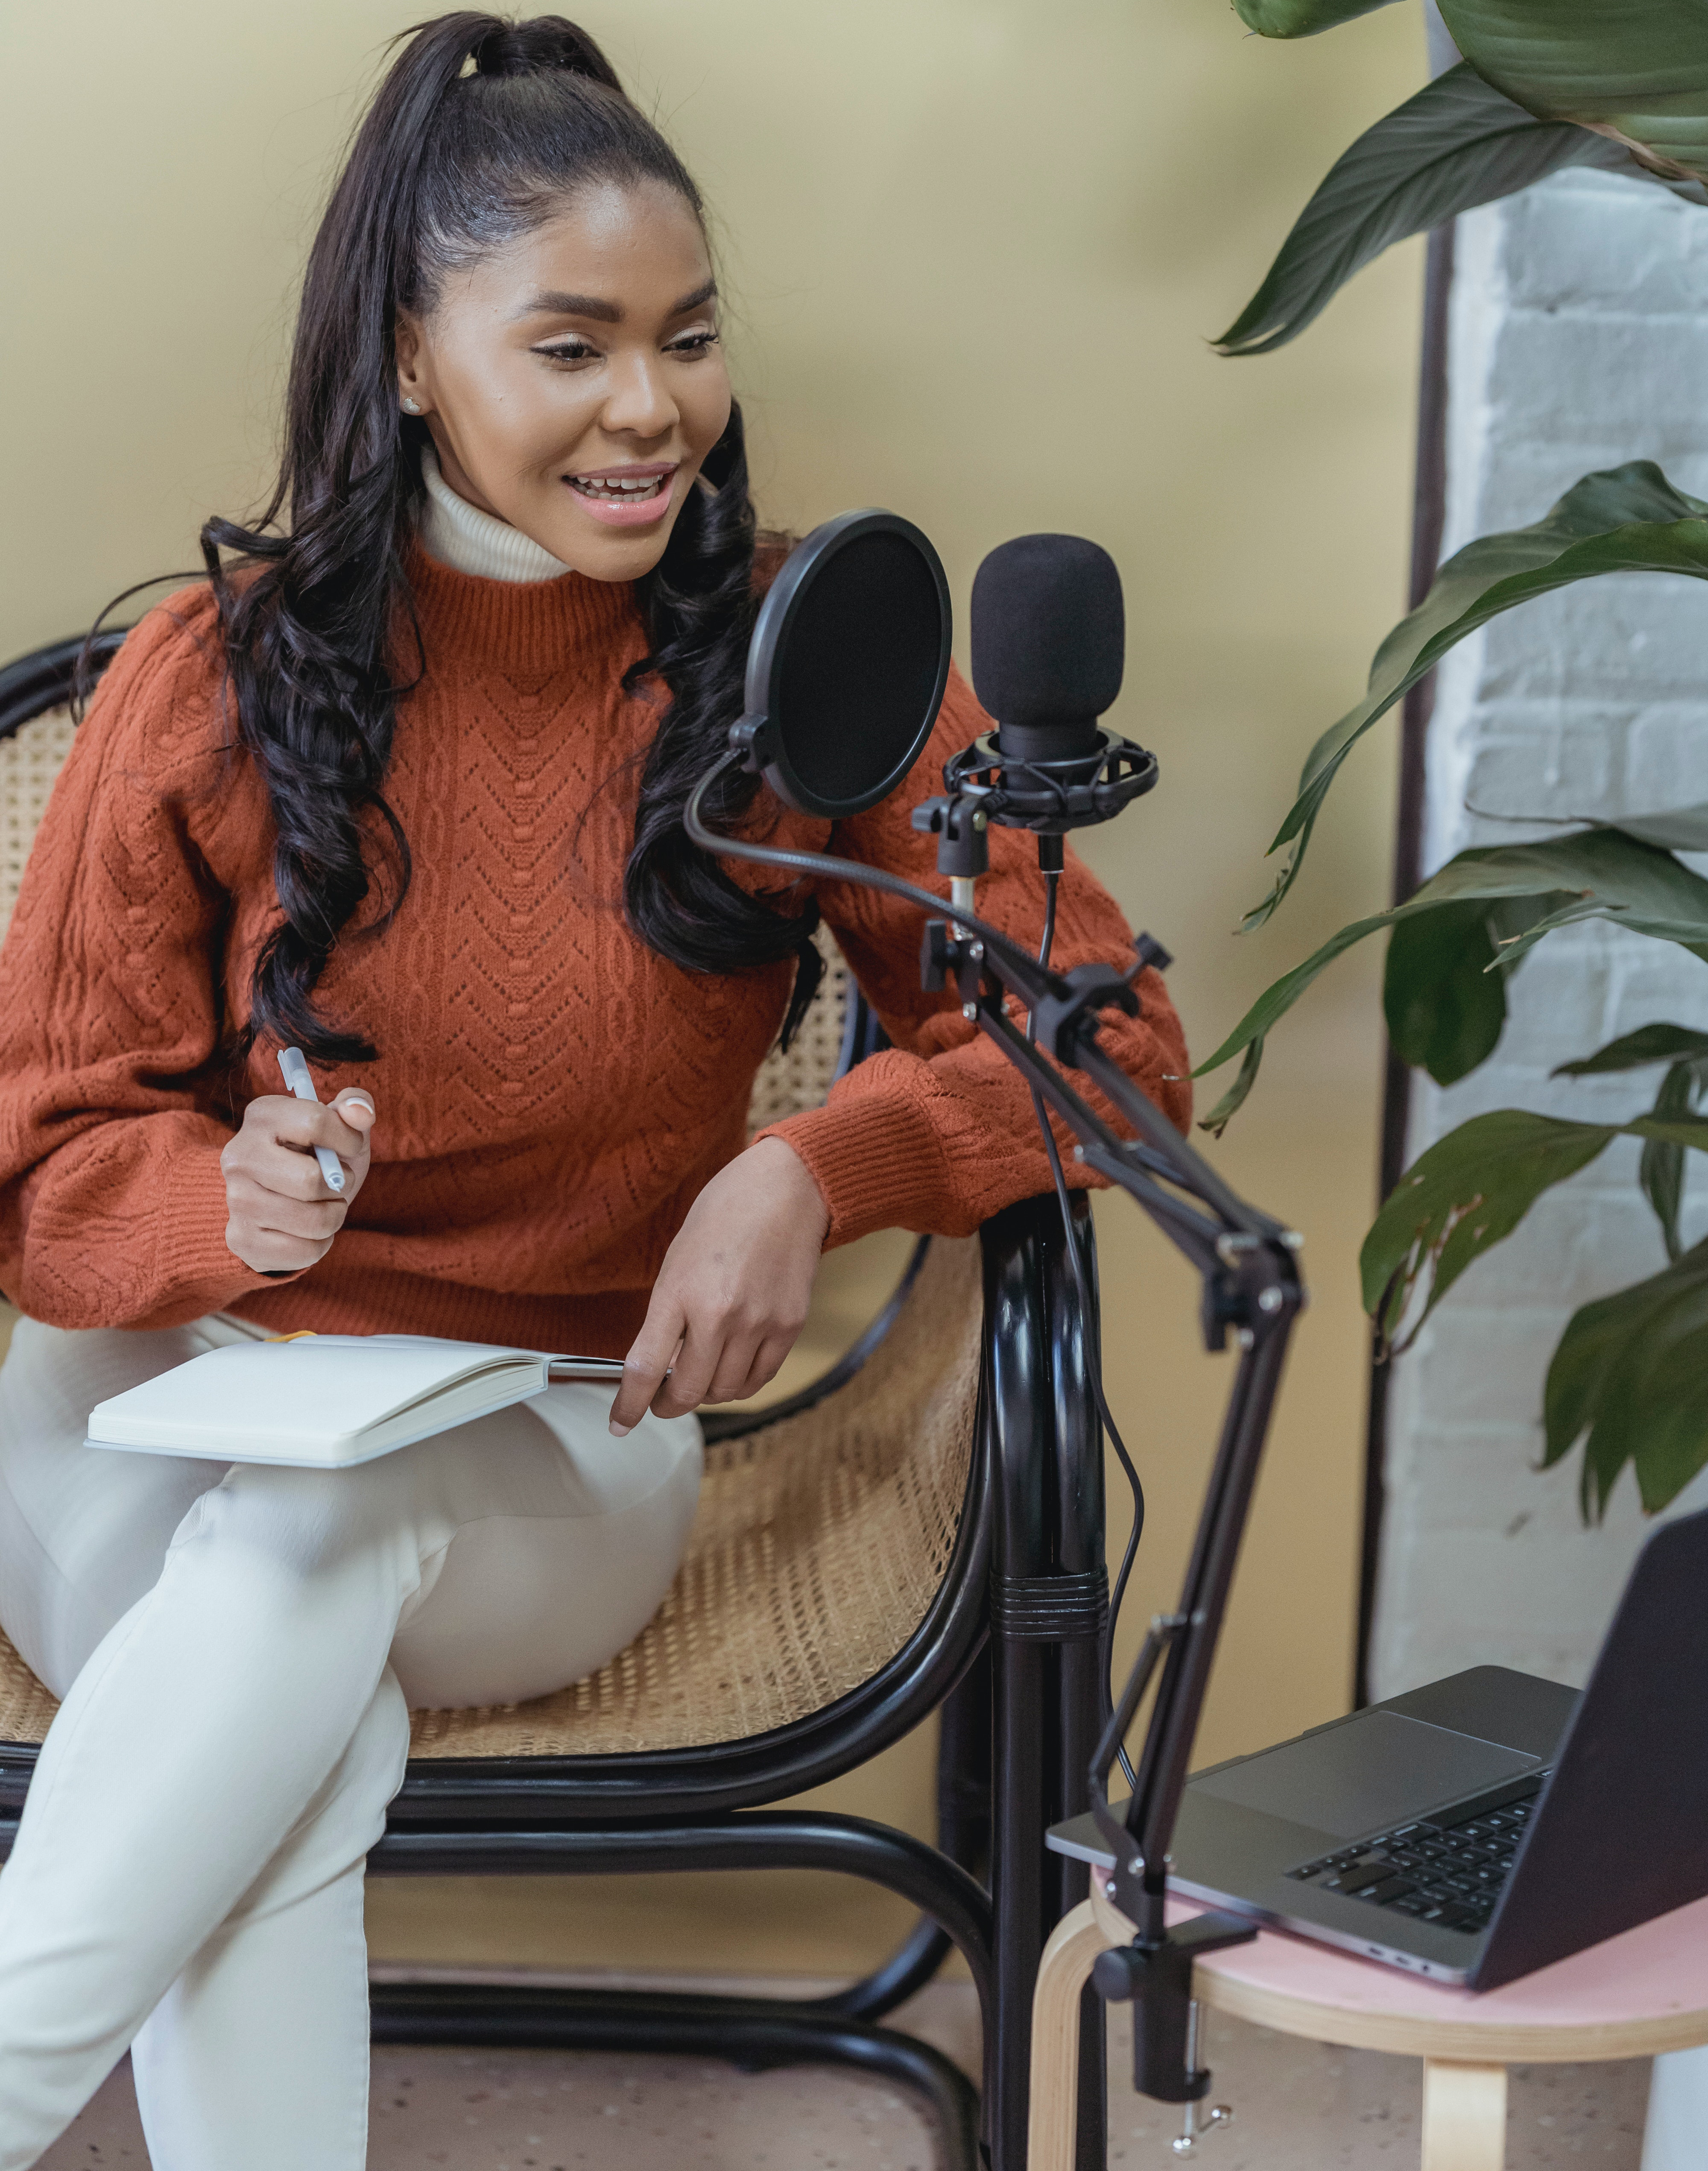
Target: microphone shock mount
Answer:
pixel 1050 793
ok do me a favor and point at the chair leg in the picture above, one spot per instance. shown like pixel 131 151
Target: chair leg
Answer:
pixel 752 2034
pixel 909 1968
pixel 1081 1722
pixel 1023 1791
pixel 1465 2116
pixel 745 1839
pixel 964 1747
pixel 963 1834
pixel 1064 1980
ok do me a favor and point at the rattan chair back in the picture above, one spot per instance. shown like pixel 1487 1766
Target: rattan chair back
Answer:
pixel 29 760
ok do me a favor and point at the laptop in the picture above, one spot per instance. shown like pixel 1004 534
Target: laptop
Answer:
pixel 1486 1824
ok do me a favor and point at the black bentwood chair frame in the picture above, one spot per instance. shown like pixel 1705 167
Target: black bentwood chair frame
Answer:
pixel 1009 1651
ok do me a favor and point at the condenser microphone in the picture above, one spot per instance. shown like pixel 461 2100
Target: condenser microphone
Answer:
pixel 1049 635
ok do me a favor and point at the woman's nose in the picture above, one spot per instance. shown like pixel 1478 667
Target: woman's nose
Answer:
pixel 639 405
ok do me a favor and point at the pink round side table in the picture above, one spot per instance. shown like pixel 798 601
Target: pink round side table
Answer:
pixel 1634 1995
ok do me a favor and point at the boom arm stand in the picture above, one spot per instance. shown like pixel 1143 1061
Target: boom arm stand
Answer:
pixel 1251 1286
pixel 1249 1266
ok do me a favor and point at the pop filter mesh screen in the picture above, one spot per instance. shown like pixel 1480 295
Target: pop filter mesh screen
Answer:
pixel 858 667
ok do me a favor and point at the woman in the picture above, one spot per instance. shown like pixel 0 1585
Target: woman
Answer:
pixel 403 785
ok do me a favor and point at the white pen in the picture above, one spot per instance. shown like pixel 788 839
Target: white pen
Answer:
pixel 299 1084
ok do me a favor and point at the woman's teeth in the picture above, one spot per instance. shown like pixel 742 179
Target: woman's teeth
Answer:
pixel 614 487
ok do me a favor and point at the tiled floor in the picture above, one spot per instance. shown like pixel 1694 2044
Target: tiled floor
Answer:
pixel 1299 2107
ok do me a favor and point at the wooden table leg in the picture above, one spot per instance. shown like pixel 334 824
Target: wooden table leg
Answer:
pixel 1054 2117
pixel 1465 2116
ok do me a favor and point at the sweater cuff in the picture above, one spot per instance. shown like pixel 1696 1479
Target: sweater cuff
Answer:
pixel 877 1162
pixel 196 1269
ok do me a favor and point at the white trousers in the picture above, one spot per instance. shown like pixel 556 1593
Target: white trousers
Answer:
pixel 238 1650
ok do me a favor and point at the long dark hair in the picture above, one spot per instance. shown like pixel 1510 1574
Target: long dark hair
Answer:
pixel 479 131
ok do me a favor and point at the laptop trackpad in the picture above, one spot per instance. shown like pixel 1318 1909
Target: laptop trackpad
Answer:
pixel 1378 1769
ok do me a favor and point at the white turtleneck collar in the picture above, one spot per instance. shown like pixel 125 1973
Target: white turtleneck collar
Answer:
pixel 460 536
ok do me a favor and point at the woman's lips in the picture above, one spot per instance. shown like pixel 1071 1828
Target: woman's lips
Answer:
pixel 625 497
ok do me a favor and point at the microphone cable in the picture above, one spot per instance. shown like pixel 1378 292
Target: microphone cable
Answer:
pixel 824 865
pixel 1094 1328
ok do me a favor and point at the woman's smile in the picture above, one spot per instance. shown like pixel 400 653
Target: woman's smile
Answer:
pixel 633 496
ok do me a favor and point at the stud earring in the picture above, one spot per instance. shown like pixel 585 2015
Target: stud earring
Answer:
pixel 412 406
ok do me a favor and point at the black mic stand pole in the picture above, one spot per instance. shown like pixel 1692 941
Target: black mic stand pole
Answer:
pixel 1248 1266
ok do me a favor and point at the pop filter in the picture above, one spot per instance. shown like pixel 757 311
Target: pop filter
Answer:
pixel 847 666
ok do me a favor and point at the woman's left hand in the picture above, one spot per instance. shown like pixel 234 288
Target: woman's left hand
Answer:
pixel 733 1294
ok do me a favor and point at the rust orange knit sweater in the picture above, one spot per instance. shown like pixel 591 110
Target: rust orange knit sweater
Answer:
pixel 551 1095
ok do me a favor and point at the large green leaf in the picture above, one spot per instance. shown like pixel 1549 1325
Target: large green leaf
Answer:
pixel 1636 1051
pixel 1684 1051
pixel 1470 1189
pixel 1459 142
pixel 1301 18
pixel 1606 873
pixel 1621 520
pixel 1661 1171
pixel 1603 873
pixel 1637 69
pixel 1234 1100
pixel 1631 1371
pixel 1445 1009
pixel 1459 1199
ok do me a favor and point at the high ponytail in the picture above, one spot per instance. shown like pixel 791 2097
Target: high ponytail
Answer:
pixel 548 41
pixel 479 131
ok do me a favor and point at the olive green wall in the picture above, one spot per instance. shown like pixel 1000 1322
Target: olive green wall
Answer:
pixel 974 250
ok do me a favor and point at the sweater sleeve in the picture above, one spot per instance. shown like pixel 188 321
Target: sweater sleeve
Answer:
pixel 937 1132
pixel 112 1200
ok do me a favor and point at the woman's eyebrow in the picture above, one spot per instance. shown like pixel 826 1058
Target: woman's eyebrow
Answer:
pixel 553 304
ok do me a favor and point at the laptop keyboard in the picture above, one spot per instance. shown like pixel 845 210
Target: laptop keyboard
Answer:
pixel 1448 1868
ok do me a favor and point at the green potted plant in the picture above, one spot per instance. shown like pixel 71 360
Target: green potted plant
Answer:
pixel 1620 85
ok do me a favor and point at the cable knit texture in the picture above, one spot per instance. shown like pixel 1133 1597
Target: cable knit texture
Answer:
pixel 552 1095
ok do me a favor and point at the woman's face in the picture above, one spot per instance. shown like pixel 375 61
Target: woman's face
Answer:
pixel 573 379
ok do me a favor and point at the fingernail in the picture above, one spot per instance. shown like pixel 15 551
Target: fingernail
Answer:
pixel 621 1431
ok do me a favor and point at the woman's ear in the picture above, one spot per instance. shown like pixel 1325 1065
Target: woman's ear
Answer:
pixel 412 392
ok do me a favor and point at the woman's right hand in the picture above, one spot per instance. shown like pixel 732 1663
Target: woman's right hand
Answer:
pixel 283 1215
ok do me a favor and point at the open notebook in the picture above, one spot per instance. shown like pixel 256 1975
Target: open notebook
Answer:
pixel 327 1400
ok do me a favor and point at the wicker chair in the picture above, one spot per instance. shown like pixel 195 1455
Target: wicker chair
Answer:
pixel 922 1530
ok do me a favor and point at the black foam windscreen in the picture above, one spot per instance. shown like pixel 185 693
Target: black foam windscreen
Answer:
pixel 1049 636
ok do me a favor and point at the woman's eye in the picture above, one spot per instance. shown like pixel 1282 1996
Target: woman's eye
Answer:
pixel 693 343
pixel 568 350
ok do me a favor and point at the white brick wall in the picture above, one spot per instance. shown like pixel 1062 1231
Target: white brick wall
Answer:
pixel 1578 338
